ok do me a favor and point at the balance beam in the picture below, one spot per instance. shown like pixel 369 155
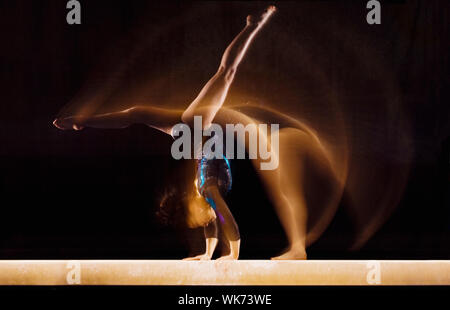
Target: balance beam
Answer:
pixel 242 272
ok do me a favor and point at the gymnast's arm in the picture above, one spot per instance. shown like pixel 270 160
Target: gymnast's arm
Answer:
pixel 210 231
pixel 229 225
pixel 158 118
pixel 231 231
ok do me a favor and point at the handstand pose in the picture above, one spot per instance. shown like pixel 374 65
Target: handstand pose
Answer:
pixel 204 204
pixel 213 177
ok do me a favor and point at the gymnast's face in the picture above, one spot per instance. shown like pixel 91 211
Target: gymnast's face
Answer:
pixel 199 213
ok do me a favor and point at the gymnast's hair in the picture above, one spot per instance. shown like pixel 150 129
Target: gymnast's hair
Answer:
pixel 171 210
pixel 174 194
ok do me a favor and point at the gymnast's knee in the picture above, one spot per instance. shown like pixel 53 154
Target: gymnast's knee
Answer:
pixel 228 72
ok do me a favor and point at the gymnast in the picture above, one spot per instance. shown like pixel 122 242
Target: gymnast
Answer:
pixel 202 204
pixel 205 205
pixel 305 183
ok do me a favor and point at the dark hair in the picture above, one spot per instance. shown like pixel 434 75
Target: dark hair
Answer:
pixel 173 193
pixel 171 210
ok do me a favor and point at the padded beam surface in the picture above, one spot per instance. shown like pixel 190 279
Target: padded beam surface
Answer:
pixel 242 272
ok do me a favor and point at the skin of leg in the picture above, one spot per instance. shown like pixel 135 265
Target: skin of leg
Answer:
pixel 158 118
pixel 289 205
pixel 207 103
pixel 212 96
pixel 309 183
pixel 309 180
pixel 229 226
pixel 292 210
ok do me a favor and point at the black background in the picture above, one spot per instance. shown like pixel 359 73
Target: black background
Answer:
pixel 92 194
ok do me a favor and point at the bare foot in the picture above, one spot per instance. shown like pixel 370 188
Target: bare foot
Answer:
pixel 67 123
pixel 261 20
pixel 292 254
pixel 59 124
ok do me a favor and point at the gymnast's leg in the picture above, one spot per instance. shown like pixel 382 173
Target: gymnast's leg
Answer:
pixel 290 206
pixel 287 199
pixel 213 94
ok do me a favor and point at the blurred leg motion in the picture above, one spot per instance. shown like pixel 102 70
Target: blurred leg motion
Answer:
pixel 302 186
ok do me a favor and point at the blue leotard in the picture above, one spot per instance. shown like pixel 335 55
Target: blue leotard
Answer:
pixel 214 172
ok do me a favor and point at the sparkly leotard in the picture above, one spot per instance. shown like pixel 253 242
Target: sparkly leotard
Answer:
pixel 214 172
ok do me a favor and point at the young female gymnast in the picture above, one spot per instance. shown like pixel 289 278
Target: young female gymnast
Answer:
pixel 301 158
pixel 214 175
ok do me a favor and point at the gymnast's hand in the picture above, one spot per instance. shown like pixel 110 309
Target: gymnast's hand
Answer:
pixel 228 257
pixel 67 123
pixel 234 251
pixel 199 257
